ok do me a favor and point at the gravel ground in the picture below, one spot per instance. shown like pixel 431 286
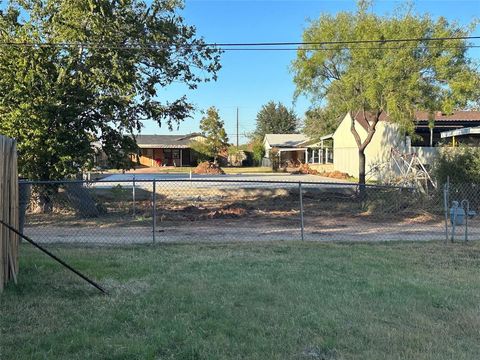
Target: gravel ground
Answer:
pixel 237 231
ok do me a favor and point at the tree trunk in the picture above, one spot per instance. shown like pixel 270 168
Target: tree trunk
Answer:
pixel 361 166
pixel 361 171
pixel 44 197
pixel 81 200
pixel 45 203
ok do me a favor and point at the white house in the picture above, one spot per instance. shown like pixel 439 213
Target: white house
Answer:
pixel 388 138
pixel 295 148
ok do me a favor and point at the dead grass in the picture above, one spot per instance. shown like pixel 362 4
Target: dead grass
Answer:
pixel 258 205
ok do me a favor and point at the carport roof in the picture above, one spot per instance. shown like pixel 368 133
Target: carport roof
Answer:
pixel 286 140
pixel 460 132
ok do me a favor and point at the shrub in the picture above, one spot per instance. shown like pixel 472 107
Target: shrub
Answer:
pixel 258 151
pixel 460 164
pixel 274 159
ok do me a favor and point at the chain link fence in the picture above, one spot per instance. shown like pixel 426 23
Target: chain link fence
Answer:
pixel 199 210
pixel 461 210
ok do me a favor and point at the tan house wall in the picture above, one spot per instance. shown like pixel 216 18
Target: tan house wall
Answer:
pixel 345 150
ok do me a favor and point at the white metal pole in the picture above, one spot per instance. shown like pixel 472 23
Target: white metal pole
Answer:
pixel 301 210
pixel 133 195
pixel 154 212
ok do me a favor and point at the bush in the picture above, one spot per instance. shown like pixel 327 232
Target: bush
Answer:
pixel 460 164
pixel 236 156
pixel 258 151
pixel 274 159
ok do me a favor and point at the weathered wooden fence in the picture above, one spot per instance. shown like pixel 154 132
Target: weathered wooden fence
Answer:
pixel 8 211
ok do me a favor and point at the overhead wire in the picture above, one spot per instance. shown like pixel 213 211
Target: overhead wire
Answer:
pixel 348 48
pixel 257 46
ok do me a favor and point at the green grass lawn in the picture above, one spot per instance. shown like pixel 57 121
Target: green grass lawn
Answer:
pixel 247 301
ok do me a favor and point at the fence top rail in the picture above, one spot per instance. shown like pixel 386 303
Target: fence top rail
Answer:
pixel 203 180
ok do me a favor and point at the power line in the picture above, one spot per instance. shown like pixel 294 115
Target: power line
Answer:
pixel 352 48
pixel 348 48
pixel 337 42
pixel 228 46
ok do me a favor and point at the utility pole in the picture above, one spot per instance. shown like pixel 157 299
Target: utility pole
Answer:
pixel 237 127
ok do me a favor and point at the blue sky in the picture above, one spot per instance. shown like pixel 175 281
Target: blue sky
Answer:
pixel 249 79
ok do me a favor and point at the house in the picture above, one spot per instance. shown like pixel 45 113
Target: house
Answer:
pixel 166 150
pixel 388 138
pixel 295 148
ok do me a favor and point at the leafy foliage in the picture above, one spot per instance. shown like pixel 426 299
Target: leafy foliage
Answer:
pixel 320 121
pixel 275 118
pixel 96 81
pixel 274 156
pixel 460 164
pixel 258 150
pixel 212 127
pixel 202 151
pixel 392 78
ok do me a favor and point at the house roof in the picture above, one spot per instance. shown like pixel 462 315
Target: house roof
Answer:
pixel 285 140
pixel 165 141
pixel 424 116
pixel 456 116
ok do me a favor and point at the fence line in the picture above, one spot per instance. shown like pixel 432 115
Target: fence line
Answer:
pixel 206 179
pixel 8 211
pixel 217 210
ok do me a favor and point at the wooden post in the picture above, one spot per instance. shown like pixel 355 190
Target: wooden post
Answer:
pixel 9 203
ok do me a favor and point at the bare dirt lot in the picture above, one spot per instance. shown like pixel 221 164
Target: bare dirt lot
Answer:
pixel 234 213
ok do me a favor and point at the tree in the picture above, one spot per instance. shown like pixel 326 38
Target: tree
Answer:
pixel 89 71
pixel 386 77
pixel 320 121
pixel 275 119
pixel 459 165
pixel 212 127
pixel 258 150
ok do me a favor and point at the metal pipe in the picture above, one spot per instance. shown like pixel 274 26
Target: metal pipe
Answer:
pixel 301 210
pixel 154 212
pixel 133 195
pixel 41 248
pixel 467 210
pixel 455 208
pixel 445 203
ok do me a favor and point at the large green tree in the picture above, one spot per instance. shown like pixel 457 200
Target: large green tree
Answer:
pixel 74 72
pixel 320 121
pixel 396 78
pixel 213 128
pixel 275 118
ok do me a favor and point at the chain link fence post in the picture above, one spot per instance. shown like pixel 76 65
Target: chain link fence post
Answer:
pixel 154 210
pixel 301 211
pixel 133 196
pixel 445 205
